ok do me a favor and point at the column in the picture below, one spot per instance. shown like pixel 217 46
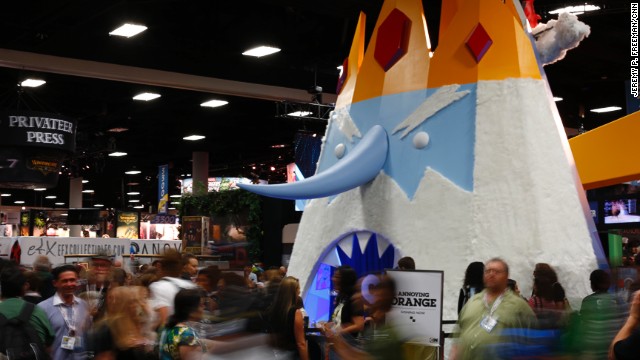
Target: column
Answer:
pixel 200 172
pixel 75 201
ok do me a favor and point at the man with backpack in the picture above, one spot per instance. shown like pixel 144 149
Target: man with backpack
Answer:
pixel 25 331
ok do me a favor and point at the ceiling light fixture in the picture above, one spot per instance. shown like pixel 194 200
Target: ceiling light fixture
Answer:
pixel 132 172
pixel 85 181
pixel 117 129
pixel 576 10
pixel 606 109
pixel 139 207
pixel 118 154
pixel 32 83
pixel 18 202
pixel 556 98
pixel 59 203
pixel 133 193
pixel 5 195
pixel 88 191
pixel 193 137
pixel 214 103
pixel 128 30
pixel 98 205
pixel 40 189
pixel 175 196
pixel 300 113
pixel 50 197
pixel 134 200
pixel 261 51
pixel 146 96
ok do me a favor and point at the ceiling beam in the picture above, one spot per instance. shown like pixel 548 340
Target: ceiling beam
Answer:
pixel 131 74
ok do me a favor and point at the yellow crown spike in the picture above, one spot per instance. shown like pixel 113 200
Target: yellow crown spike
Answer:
pixel 407 72
pixel 354 61
pixel 510 54
pixel 447 12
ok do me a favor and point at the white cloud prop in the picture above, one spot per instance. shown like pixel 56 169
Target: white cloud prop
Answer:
pixel 554 38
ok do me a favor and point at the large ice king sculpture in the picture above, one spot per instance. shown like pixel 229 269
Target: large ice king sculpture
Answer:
pixel 449 157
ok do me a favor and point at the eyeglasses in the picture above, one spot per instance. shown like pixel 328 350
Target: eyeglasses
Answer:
pixel 493 271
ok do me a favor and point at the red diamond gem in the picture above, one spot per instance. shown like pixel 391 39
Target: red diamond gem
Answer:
pixel 393 39
pixel 478 42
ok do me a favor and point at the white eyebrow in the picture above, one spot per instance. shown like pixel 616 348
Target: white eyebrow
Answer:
pixel 442 98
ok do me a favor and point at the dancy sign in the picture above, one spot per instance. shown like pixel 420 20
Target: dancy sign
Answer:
pixel 33 146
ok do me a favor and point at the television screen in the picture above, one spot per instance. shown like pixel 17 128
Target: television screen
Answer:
pixel 83 216
pixel 620 211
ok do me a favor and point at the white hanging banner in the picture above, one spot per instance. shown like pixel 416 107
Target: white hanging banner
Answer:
pixel 416 312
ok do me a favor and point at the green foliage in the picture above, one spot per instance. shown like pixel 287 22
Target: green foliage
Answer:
pixel 229 203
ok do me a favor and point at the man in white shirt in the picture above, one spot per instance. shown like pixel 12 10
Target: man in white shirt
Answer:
pixel 68 314
pixel 164 290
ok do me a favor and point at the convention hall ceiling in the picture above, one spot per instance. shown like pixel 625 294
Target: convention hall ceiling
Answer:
pixel 192 52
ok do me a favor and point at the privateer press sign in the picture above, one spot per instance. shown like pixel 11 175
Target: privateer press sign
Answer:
pixel 36 129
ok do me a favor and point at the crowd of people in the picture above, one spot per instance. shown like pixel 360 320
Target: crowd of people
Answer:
pixel 176 309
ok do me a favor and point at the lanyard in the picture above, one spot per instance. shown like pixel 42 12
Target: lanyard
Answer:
pixel 496 303
pixel 71 323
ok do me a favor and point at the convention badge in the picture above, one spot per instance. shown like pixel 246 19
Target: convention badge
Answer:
pixel 68 342
pixel 488 323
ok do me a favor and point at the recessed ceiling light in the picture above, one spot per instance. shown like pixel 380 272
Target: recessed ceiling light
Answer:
pixel 98 205
pixel 193 137
pixel 134 200
pixel 5 195
pixel 88 191
pixel 118 154
pixel 59 203
pixel 606 109
pixel 18 202
pixel 146 96
pixel 556 98
pixel 214 103
pixel 171 208
pixel 118 129
pixel 50 197
pixel 175 202
pixel 85 181
pixel 261 51
pixel 40 189
pixel 576 10
pixel 175 196
pixel 300 113
pixel 133 193
pixel 128 30
pixel 32 83
pixel 64 214
pixel 132 183
pixel 132 172
pixel 139 207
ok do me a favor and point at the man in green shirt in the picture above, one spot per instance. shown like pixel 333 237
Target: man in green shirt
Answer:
pixel 12 283
pixel 488 313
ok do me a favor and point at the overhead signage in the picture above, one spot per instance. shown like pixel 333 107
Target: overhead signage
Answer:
pixel 163 189
pixel 37 129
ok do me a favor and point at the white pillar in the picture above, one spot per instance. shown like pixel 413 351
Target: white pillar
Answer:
pixel 75 201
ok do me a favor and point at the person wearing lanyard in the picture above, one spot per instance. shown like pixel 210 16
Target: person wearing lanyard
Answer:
pixel 489 312
pixel 68 314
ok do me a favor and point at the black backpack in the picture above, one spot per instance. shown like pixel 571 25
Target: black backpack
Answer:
pixel 18 339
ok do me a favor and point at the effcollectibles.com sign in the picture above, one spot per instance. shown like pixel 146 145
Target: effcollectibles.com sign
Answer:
pixel 416 312
pixel 36 129
pixel 56 248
